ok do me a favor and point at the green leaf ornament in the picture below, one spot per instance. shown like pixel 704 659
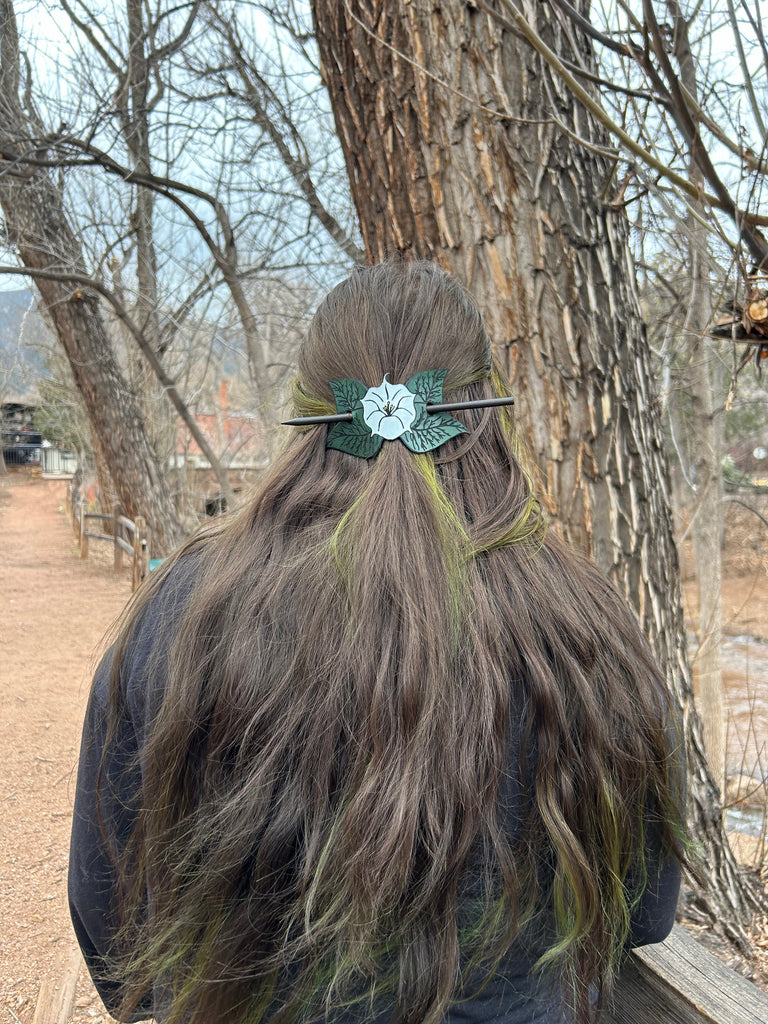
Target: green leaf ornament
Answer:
pixel 354 437
pixel 430 430
pixel 347 393
pixel 427 430
pixel 428 385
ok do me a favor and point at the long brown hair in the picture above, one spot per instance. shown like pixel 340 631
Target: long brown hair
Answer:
pixel 326 813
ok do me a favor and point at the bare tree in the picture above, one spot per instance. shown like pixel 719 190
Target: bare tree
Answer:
pixel 113 152
pixel 242 81
pixel 37 222
pixel 695 170
pixel 707 519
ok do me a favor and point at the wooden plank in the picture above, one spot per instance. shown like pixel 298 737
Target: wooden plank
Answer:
pixel 127 523
pixel 125 546
pixel 679 981
pixel 83 535
pixel 57 995
pixel 118 553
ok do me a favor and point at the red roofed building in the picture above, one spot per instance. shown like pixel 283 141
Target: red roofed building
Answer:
pixel 236 439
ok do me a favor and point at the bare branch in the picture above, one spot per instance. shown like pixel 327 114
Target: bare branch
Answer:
pixel 169 385
pixel 737 501
pixel 90 35
pixel 589 29
pixel 224 256
pixel 746 75
pixel 639 94
pixel 254 86
pixel 175 44
pixel 688 127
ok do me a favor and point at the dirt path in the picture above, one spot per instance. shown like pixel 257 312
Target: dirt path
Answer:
pixel 55 612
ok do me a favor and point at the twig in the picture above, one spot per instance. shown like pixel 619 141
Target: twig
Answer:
pixel 738 501
pixel 746 73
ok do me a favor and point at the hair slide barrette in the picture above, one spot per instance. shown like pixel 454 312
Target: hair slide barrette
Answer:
pixel 413 412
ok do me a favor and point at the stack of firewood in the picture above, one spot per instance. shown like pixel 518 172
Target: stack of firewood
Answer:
pixel 748 323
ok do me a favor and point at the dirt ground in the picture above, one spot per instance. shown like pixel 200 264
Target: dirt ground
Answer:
pixel 56 610
pixel 745 568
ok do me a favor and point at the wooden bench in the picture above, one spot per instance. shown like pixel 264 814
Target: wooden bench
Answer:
pixel 680 982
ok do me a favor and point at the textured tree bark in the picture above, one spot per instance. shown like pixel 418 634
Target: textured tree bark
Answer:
pixel 446 121
pixel 38 226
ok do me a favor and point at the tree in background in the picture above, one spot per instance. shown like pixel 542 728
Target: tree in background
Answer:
pixel 680 90
pixel 464 145
pixel 214 249
pixel 45 241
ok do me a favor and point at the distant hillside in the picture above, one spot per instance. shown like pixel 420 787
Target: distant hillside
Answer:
pixel 23 338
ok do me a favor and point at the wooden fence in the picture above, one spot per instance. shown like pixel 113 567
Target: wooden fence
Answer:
pixel 128 537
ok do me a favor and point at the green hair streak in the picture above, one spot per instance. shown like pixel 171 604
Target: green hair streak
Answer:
pixel 306 404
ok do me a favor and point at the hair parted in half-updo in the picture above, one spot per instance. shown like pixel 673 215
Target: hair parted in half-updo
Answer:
pixel 323 815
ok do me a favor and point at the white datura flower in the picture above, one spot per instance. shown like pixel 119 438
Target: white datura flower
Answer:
pixel 388 409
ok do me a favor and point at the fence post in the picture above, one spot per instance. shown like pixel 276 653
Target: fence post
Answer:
pixel 139 546
pixel 146 541
pixel 57 994
pixel 116 530
pixel 83 537
pixel 73 509
pixel 135 577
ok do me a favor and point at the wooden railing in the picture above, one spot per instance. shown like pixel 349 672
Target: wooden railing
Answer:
pixel 135 544
pixel 679 981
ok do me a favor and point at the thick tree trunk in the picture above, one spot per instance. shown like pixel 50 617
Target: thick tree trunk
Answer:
pixel 38 226
pixel 446 124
